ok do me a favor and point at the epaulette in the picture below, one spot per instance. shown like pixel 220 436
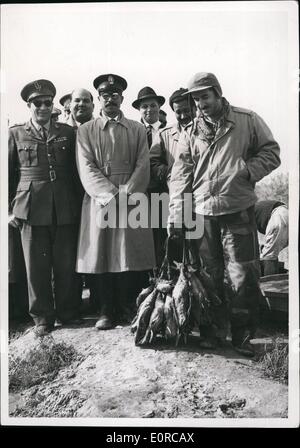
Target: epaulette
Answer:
pixel 241 110
pixel 59 124
pixel 17 124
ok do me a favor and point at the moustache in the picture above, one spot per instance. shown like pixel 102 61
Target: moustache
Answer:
pixel 111 103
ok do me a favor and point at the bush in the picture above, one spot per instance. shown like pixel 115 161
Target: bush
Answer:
pixel 275 186
pixel 275 363
pixel 41 363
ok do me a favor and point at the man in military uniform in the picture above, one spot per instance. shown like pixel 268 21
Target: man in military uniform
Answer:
pixel 219 158
pixel 81 108
pixel 113 163
pixel 45 206
pixel 65 102
pixel 148 103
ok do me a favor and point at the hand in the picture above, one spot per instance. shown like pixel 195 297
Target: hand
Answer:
pixel 14 222
pixel 176 232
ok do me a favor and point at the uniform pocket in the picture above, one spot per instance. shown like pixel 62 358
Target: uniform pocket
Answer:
pixel 28 153
pixel 61 152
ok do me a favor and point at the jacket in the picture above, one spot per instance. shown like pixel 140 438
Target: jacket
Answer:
pixel 111 155
pixel 162 156
pixel 222 175
pixel 43 175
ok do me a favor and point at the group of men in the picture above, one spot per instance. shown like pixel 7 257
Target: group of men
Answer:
pixel 60 191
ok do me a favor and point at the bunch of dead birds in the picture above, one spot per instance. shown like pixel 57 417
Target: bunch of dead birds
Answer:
pixel 174 303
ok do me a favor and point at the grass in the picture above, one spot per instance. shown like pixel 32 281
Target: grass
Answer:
pixel 41 363
pixel 275 363
pixel 275 186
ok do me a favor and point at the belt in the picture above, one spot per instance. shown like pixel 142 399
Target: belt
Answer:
pixel 38 174
pixel 110 169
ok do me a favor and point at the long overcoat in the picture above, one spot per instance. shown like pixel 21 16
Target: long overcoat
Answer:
pixel 112 157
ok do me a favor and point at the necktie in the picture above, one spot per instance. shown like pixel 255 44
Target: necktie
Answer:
pixel 43 133
pixel 149 135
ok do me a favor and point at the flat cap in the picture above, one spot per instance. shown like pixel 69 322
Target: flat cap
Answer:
pixel 146 93
pixel 37 88
pixel 65 98
pixel 109 83
pixel 203 80
pixel 177 96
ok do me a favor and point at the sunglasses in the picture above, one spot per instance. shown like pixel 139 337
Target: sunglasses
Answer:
pixel 38 103
pixel 113 96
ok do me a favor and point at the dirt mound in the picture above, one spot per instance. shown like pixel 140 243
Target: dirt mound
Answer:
pixel 116 379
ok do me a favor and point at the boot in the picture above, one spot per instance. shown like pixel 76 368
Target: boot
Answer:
pixel 271 267
pixel 241 342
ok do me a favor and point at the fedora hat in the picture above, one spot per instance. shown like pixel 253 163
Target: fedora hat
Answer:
pixel 145 94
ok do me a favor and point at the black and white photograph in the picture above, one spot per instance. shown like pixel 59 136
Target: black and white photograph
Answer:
pixel 149 216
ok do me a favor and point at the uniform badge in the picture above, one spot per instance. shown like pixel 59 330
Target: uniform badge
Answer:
pixel 38 86
pixel 111 79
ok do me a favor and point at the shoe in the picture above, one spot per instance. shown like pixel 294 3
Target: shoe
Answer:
pixel 244 348
pixel 58 323
pixel 209 343
pixel 104 323
pixel 41 330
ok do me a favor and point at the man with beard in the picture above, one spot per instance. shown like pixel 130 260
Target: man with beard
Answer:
pixel 113 163
pixel 162 155
pixel 220 157
pixel 81 108
pixel 44 205
pixel 165 143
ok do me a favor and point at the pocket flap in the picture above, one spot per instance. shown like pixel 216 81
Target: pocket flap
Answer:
pixel 24 186
pixel 27 146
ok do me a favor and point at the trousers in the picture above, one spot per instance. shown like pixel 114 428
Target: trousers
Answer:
pixel 230 252
pixel 50 257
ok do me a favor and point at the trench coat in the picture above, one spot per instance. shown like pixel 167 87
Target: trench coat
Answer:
pixel 112 157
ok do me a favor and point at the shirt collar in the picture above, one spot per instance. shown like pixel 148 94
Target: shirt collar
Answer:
pixel 104 119
pixel 155 125
pixel 38 126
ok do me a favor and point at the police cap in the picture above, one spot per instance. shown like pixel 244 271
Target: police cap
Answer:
pixel 177 96
pixel 37 88
pixel 203 80
pixel 110 83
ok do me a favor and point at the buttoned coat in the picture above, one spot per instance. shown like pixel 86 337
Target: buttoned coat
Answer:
pixel 162 156
pixel 108 163
pixel 43 175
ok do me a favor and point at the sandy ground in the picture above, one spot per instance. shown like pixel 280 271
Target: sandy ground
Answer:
pixel 117 379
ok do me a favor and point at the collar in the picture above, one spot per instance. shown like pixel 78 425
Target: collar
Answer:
pixel 155 125
pixel 38 126
pixel 104 119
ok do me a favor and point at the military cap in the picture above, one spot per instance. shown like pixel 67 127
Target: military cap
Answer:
pixel 177 96
pixel 56 111
pixel 203 80
pixel 109 83
pixel 38 88
pixel 65 98
pixel 147 93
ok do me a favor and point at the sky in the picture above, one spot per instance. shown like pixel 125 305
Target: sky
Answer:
pixel 252 47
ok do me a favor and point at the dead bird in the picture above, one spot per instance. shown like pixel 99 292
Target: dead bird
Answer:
pixel 171 327
pixel 164 286
pixel 156 319
pixel 143 316
pixel 181 297
pixel 144 293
